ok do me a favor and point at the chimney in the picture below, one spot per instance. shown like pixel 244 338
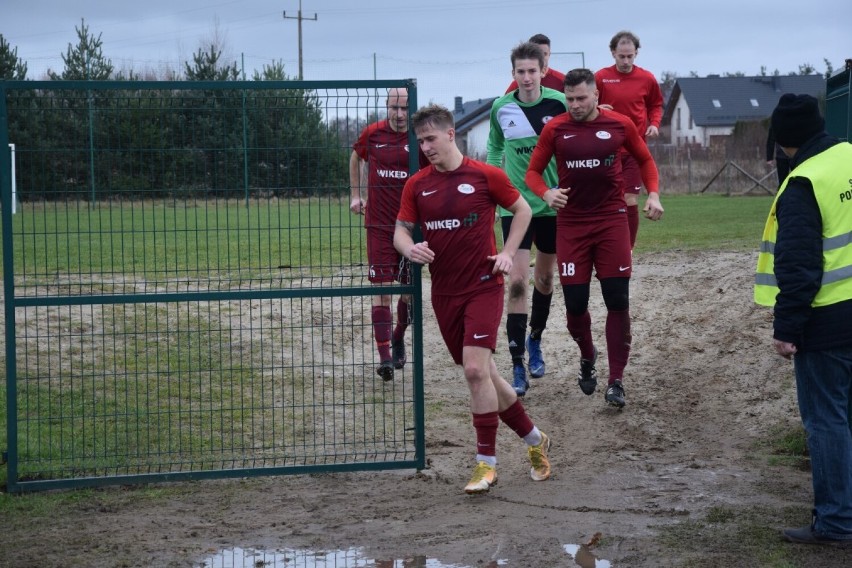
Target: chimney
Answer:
pixel 459 108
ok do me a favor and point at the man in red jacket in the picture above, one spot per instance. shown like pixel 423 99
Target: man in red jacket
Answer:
pixel 632 91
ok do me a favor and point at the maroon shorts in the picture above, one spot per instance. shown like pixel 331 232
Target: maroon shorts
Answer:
pixel 469 320
pixel 386 264
pixel 602 243
pixel 631 173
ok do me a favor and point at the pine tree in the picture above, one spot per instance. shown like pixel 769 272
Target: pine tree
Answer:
pixel 85 61
pixel 11 67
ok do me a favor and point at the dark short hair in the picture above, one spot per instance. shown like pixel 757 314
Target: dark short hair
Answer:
pixel 576 76
pixel 528 50
pixel 433 115
pixel 540 39
pixel 623 34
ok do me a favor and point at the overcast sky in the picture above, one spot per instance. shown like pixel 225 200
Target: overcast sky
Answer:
pixel 453 47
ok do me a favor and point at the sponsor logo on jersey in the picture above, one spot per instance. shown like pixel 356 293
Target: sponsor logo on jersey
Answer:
pixel 567 136
pixel 603 134
pixel 511 124
pixel 443 224
pixel 546 119
pixel 406 147
pixel 466 188
pixel 398 174
pixel 451 224
pixel 524 150
pixel 425 193
pixel 612 80
pixel 480 336
pixel 576 164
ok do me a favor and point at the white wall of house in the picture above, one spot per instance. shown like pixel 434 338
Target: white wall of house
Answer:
pixel 683 129
pixel 477 139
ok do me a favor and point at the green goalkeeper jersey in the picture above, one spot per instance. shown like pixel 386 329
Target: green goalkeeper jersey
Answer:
pixel 515 128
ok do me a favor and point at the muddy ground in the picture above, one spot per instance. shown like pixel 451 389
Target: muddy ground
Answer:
pixel 680 477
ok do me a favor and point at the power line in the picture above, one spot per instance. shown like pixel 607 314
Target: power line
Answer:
pixel 299 17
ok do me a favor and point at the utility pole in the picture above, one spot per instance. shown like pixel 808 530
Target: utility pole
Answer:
pixel 299 18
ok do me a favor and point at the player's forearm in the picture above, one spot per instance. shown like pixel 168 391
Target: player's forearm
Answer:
pixel 650 176
pixel 535 181
pixel 354 176
pixel 522 215
pixel 403 239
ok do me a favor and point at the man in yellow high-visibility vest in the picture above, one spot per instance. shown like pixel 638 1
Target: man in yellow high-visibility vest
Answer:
pixel 804 270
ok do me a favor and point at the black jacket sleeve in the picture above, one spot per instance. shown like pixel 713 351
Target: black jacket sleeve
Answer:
pixel 798 259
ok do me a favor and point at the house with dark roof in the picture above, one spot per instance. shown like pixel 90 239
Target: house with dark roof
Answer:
pixel 472 120
pixel 704 110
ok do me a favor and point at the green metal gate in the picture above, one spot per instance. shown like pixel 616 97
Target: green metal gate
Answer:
pixel 185 289
pixel 838 104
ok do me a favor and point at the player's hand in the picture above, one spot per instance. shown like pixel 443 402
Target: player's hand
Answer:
pixel 784 348
pixel 358 206
pixel 421 253
pixel 652 132
pixel 653 209
pixel 556 198
pixel 502 263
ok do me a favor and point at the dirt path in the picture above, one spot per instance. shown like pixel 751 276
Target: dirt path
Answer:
pixel 703 389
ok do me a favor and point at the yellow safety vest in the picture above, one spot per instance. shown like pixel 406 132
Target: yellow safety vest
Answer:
pixel 830 173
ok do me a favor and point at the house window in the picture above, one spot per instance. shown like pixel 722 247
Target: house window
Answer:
pixel 717 103
pixel 754 103
pixel 678 119
pixel 691 123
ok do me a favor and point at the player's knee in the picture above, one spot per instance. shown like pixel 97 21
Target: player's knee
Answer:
pixel 576 298
pixel 616 293
pixel 544 283
pixel 517 289
pixel 475 373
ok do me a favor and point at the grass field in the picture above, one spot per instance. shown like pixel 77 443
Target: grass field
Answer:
pixel 165 239
pixel 218 237
pixel 705 222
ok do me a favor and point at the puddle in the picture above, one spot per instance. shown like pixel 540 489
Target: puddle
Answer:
pixel 349 558
pixel 584 558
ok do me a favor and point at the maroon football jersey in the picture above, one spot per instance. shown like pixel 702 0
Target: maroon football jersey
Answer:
pixel 456 213
pixel 587 162
pixel 386 154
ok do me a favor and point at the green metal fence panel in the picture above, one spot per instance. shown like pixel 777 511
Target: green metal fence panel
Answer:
pixel 838 104
pixel 186 293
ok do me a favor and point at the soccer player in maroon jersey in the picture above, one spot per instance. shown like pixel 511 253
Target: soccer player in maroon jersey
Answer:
pixel 454 201
pixel 627 88
pixel 550 78
pixel 591 224
pixel 382 149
